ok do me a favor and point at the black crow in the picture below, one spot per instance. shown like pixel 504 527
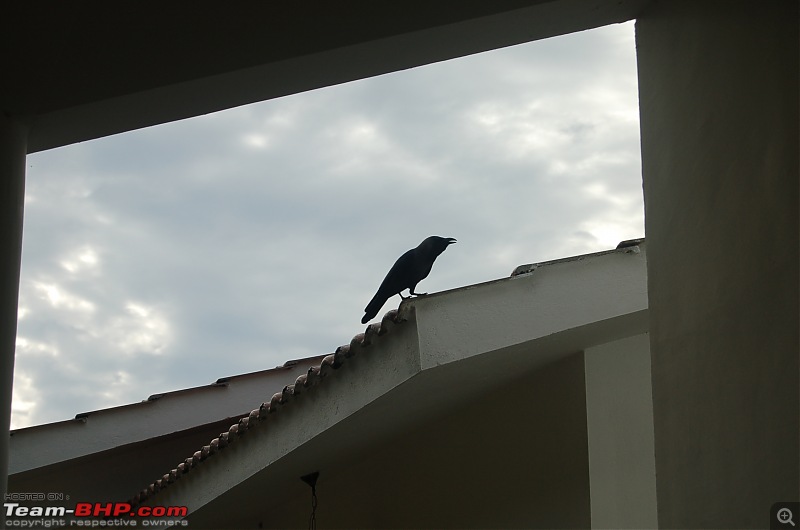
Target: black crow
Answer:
pixel 409 269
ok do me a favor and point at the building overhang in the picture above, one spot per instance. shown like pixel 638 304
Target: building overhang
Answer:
pixel 438 352
pixel 75 85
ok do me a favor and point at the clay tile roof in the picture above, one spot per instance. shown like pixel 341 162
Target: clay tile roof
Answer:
pixel 258 417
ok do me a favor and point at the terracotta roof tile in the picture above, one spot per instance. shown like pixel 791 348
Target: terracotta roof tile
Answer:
pixel 258 417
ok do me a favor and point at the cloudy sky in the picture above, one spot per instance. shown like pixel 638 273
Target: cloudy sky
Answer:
pixel 172 256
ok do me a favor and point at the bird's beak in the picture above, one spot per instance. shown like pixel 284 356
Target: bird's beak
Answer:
pixel 451 240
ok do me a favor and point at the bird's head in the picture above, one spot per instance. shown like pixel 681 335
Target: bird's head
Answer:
pixel 436 245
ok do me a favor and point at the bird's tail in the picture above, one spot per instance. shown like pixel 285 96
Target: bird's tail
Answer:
pixel 373 307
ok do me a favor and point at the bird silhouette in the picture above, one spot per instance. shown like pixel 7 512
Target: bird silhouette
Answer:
pixel 409 269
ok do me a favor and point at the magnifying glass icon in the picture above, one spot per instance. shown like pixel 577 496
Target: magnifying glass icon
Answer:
pixel 785 516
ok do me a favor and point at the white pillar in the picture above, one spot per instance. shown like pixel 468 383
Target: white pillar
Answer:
pixel 13 140
pixel 619 418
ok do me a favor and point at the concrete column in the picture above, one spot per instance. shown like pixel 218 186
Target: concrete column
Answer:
pixel 619 417
pixel 718 95
pixel 13 139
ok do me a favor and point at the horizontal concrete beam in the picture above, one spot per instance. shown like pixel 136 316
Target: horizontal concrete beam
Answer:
pixel 555 296
pixel 130 97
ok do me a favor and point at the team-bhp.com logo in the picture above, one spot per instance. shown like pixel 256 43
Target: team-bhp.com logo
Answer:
pixel 118 509
pixel 101 514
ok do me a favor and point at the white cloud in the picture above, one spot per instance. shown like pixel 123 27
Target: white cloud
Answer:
pixel 33 347
pixel 141 330
pixel 255 140
pixel 24 401
pixel 609 233
pixel 116 386
pixel 60 298
pixel 81 260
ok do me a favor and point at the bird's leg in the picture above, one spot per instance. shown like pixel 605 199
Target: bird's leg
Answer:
pixel 411 291
pixel 403 297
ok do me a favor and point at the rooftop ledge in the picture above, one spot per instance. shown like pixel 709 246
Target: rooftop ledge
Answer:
pixel 431 354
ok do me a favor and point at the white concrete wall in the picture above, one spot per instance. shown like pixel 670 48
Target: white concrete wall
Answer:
pixel 557 296
pixel 619 414
pixel 718 85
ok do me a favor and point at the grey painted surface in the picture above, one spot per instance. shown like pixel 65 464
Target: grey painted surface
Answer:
pixel 619 414
pixel 718 89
